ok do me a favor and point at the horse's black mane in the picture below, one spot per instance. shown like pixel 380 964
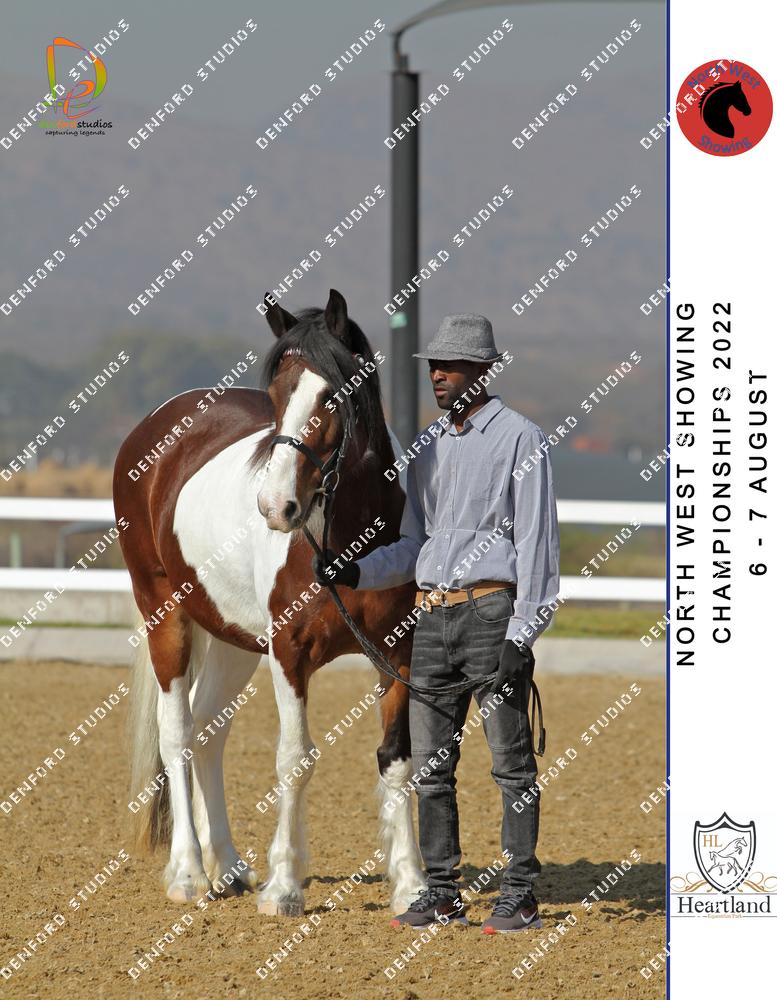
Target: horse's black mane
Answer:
pixel 709 90
pixel 335 362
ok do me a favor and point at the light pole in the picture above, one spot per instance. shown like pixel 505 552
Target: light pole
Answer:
pixel 404 252
pixel 405 158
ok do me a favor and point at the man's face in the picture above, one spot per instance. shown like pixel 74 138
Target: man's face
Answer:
pixel 451 378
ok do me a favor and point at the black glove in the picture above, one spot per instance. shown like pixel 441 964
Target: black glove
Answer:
pixel 516 666
pixel 346 575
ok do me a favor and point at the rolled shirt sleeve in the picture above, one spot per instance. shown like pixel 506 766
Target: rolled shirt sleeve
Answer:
pixel 393 565
pixel 536 539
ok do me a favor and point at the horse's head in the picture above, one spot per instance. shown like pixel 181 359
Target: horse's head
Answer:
pixel 739 99
pixel 315 355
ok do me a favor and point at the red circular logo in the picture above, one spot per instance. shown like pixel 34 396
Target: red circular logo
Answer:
pixel 724 107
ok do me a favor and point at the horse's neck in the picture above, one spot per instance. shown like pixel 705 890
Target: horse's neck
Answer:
pixel 370 494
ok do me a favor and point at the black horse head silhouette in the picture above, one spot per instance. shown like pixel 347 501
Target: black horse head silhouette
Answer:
pixel 715 104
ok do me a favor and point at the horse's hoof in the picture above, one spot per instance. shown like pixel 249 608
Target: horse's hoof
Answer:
pixel 224 891
pixel 281 907
pixel 187 890
pixel 230 876
pixel 402 898
pixel 247 881
pixel 291 908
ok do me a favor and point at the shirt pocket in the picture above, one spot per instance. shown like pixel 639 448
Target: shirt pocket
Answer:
pixel 489 483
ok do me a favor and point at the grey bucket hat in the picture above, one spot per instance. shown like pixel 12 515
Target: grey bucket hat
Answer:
pixel 463 337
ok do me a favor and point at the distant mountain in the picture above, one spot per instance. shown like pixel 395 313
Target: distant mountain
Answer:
pixel 98 412
pixel 96 418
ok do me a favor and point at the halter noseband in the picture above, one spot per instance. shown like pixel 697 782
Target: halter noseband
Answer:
pixel 330 468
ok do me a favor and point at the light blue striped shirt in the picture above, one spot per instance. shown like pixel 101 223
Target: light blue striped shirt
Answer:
pixel 468 518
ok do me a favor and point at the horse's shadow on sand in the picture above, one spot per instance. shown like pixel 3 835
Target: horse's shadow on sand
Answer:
pixel 636 895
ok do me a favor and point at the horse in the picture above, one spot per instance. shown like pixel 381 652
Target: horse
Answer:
pixel 715 104
pixel 725 857
pixel 209 618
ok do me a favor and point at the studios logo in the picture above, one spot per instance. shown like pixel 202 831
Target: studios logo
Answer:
pixel 75 111
pixel 725 884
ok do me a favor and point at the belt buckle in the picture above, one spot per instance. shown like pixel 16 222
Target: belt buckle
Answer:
pixel 432 599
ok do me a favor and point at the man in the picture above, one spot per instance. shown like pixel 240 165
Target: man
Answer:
pixel 482 545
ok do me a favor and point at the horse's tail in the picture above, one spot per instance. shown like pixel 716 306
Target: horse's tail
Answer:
pixel 152 820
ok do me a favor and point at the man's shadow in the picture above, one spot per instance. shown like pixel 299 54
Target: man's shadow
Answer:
pixel 642 888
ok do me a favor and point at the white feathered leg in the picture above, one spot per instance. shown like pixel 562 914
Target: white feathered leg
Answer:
pixel 184 877
pixel 218 682
pixel 287 857
pixel 397 836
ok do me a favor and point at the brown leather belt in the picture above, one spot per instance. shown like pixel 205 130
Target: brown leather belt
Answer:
pixel 430 599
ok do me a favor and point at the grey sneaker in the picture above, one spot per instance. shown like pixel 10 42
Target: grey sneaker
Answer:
pixel 432 905
pixel 513 912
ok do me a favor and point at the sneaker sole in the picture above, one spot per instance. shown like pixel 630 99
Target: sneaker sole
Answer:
pixel 460 921
pixel 534 925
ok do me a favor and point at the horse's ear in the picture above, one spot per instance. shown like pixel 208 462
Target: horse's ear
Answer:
pixel 336 314
pixel 280 321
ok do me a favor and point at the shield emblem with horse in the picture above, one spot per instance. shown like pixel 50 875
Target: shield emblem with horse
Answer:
pixel 724 851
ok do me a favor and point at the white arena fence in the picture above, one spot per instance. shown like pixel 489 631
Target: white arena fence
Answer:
pixel 68 510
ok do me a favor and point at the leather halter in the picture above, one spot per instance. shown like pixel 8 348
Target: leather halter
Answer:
pixel 330 470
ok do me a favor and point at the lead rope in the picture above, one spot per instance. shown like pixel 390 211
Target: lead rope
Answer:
pixel 370 650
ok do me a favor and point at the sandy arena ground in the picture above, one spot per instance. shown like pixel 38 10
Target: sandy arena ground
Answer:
pixel 75 821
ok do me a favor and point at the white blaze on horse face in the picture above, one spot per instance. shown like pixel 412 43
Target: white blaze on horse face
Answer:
pixel 278 500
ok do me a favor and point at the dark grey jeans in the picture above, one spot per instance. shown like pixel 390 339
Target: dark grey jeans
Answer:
pixel 453 644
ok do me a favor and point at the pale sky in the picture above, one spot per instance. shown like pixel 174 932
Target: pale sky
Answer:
pixel 167 43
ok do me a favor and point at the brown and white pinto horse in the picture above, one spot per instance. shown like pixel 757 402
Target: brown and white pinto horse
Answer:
pixel 202 647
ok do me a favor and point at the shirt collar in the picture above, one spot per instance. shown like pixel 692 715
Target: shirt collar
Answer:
pixel 481 418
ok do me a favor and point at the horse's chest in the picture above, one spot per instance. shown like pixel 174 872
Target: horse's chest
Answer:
pixel 225 539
